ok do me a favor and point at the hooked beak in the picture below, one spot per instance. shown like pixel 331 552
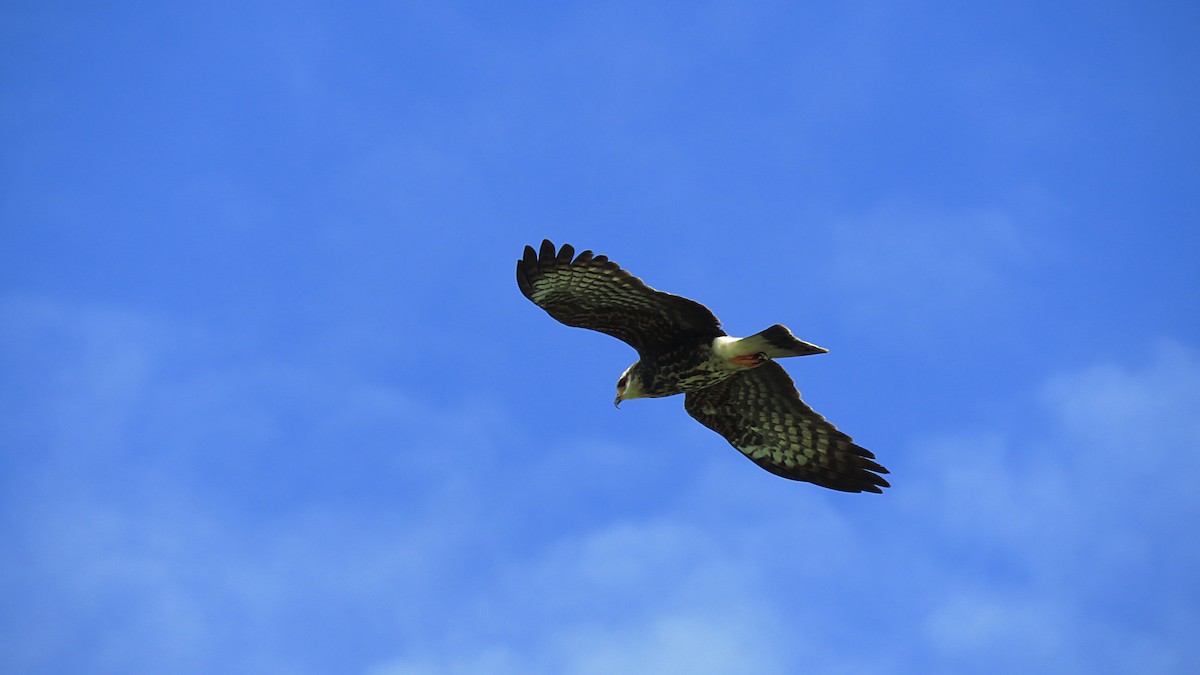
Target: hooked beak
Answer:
pixel 617 403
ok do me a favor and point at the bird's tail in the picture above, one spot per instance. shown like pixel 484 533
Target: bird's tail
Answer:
pixel 777 342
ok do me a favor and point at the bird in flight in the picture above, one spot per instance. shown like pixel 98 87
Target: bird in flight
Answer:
pixel 730 385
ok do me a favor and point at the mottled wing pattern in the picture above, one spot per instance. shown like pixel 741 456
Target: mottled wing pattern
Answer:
pixel 590 291
pixel 760 413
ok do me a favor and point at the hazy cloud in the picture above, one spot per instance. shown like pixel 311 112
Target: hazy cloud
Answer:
pixel 181 534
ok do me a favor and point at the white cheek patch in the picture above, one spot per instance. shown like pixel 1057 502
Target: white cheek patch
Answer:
pixel 633 386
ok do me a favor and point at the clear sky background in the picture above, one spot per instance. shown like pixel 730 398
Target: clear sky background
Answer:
pixel 271 401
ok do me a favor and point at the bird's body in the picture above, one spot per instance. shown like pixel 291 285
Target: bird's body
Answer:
pixel 732 385
pixel 701 362
pixel 686 367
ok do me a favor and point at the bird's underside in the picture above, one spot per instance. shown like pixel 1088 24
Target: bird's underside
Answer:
pixel 731 385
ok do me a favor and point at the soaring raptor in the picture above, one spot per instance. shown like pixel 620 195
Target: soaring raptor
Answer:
pixel 731 385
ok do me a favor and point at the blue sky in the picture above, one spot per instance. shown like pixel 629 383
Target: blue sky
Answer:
pixel 272 402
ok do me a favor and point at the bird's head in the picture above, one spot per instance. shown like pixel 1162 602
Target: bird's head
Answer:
pixel 630 385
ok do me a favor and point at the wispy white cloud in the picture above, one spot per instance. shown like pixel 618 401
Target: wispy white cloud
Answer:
pixel 655 595
pixel 1079 513
pixel 1024 547
pixel 246 515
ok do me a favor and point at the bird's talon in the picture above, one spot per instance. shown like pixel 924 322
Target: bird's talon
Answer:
pixel 751 360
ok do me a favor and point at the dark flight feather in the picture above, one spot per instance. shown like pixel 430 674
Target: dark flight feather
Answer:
pixel 589 291
pixel 760 413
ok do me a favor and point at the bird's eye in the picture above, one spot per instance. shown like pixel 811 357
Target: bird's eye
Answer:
pixel 621 382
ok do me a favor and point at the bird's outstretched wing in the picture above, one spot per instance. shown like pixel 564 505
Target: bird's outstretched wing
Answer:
pixel 760 413
pixel 590 291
